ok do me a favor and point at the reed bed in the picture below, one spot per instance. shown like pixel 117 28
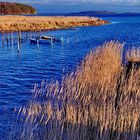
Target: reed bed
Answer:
pixel 39 23
pixel 133 55
pixel 100 101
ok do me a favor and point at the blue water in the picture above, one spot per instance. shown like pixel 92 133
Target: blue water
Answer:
pixel 19 71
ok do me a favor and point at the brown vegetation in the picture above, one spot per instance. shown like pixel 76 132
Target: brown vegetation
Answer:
pixel 133 55
pixel 25 23
pixel 15 8
pixel 100 101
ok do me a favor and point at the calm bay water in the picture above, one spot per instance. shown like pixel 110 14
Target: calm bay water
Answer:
pixel 19 71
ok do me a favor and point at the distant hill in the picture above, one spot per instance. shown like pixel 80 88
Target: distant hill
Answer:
pixel 15 8
pixel 97 12
pixel 104 13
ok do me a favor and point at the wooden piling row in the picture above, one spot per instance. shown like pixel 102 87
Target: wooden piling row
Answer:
pixel 17 39
pixel 13 38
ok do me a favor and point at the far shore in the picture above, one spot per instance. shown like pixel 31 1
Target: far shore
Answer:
pixel 42 23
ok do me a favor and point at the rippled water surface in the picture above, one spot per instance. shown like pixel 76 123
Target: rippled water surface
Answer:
pixel 19 71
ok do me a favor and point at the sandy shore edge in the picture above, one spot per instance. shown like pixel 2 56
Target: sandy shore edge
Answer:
pixel 42 23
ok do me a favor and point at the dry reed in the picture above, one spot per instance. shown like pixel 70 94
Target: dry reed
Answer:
pixel 100 101
pixel 39 23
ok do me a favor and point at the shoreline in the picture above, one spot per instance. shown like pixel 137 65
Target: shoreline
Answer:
pixel 12 23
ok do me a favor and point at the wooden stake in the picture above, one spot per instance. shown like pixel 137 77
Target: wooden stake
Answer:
pixel 62 40
pixel 68 40
pixel 2 39
pixel 51 41
pixel 37 43
pixel 77 39
pixel 18 46
pixel 7 40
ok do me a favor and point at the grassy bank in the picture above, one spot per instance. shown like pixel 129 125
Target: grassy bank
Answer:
pixel 100 101
pixel 33 23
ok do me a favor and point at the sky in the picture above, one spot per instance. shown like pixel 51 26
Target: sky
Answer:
pixel 66 6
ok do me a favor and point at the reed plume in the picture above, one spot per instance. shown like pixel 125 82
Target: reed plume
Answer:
pixel 99 101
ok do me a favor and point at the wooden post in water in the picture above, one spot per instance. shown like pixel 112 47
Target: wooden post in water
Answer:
pixel 68 40
pixel 77 39
pixel 12 41
pixel 30 35
pixel 51 41
pixel 40 34
pixel 20 35
pixel 2 40
pixel 62 40
pixel 19 42
pixel 37 36
pixel 26 37
pixel 37 42
pixel 7 39
pixel 18 45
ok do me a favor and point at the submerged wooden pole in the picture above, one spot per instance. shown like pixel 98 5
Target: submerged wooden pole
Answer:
pixel 37 42
pixel 2 39
pixel 18 46
pixel 51 41
pixel 68 40
pixel 26 36
pixel 20 35
pixel 11 39
pixel 40 34
pixel 30 36
pixel 7 39
pixel 19 41
pixel 14 39
pixel 62 40
pixel 77 39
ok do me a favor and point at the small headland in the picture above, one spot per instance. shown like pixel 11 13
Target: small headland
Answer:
pixel 42 23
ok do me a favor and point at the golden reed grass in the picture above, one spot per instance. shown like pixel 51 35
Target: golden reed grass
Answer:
pixel 39 23
pixel 100 101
